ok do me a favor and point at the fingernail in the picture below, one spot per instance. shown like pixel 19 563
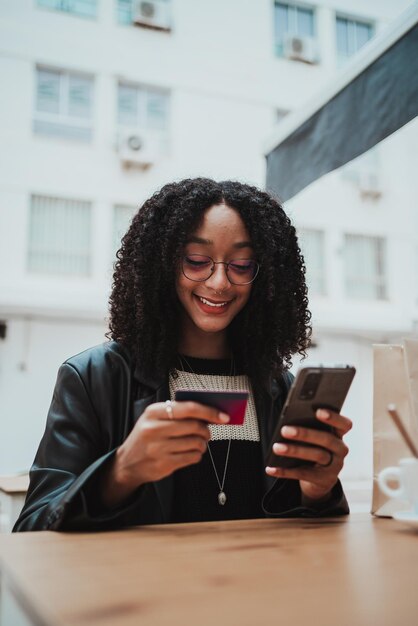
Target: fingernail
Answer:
pixel 289 431
pixel 325 415
pixel 270 470
pixel 280 447
pixel 224 417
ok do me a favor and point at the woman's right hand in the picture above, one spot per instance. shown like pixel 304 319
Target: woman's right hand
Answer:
pixel 161 442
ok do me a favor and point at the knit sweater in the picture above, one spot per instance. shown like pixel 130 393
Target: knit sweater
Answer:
pixel 196 487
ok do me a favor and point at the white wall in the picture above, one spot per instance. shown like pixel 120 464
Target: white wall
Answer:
pixel 29 359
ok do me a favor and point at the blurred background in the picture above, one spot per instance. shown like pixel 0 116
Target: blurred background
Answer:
pixel 104 101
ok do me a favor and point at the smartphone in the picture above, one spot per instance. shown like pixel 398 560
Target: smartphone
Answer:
pixel 313 388
pixel 233 403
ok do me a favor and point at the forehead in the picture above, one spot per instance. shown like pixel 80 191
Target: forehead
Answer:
pixel 220 221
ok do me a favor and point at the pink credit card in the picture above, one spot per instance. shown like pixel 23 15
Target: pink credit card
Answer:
pixel 233 403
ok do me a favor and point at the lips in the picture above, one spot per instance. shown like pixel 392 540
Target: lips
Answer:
pixel 212 302
pixel 215 307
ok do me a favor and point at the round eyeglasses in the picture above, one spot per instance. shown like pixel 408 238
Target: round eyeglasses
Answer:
pixel 199 268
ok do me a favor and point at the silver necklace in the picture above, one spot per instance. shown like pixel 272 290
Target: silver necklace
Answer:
pixel 221 494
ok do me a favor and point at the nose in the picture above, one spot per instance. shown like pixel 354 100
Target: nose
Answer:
pixel 219 280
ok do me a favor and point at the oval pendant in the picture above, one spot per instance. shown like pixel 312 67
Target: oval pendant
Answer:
pixel 221 498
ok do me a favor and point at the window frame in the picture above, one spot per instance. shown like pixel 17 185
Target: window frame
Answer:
pixel 116 239
pixel 355 19
pixel 294 6
pixel 63 119
pixel 379 281
pixel 141 125
pixel 320 274
pixel 33 247
pixel 68 11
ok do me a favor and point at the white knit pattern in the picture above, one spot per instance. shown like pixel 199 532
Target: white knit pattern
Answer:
pixel 216 382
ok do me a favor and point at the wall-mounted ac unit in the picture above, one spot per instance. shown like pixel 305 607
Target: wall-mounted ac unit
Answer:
pixel 300 49
pixel 369 185
pixel 138 148
pixel 152 14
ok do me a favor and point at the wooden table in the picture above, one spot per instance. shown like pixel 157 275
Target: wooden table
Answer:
pixel 350 571
pixel 12 497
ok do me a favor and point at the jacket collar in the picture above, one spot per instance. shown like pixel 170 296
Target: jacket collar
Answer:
pixel 153 382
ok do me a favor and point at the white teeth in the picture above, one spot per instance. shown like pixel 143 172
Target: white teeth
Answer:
pixel 211 303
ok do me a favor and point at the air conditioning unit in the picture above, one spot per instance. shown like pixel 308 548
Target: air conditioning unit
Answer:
pixel 152 14
pixel 300 49
pixel 369 185
pixel 138 149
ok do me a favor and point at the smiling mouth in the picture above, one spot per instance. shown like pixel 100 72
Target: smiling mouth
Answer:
pixel 217 305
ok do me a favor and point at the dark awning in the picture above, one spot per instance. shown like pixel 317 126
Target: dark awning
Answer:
pixel 375 103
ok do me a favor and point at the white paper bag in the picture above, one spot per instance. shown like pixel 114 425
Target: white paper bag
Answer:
pixel 395 381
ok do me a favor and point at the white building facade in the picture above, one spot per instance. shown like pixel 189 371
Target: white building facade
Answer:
pixel 104 101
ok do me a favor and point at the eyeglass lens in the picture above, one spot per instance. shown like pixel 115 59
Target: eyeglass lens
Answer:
pixel 239 271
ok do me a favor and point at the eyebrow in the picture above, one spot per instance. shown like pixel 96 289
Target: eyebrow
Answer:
pixel 209 242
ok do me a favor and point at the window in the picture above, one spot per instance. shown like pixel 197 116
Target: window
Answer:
pixel 122 217
pixel 149 13
pixel 59 236
pixel 125 11
pixel 291 19
pixel 82 8
pixel 365 267
pixel 351 36
pixel 311 243
pixel 142 107
pixel 63 104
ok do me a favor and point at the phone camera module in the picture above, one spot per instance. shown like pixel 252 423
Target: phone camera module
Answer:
pixel 310 386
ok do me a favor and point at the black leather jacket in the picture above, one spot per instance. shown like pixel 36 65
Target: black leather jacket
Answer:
pixel 98 396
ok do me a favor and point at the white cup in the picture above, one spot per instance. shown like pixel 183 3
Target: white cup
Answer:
pixel 406 475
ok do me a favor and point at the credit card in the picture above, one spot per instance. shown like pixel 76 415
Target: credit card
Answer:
pixel 233 403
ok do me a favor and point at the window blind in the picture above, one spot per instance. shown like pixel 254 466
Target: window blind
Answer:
pixel 59 236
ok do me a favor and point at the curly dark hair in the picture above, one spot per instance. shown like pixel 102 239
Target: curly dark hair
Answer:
pixel 144 308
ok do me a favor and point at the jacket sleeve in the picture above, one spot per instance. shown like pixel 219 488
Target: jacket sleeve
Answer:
pixel 285 500
pixel 71 458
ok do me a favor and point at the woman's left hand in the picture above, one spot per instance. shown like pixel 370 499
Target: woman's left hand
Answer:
pixel 327 450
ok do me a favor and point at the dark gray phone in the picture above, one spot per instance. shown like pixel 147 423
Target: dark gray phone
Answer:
pixel 313 388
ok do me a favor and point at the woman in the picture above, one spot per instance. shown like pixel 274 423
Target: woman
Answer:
pixel 208 292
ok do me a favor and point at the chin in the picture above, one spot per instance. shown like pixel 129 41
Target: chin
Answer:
pixel 210 326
